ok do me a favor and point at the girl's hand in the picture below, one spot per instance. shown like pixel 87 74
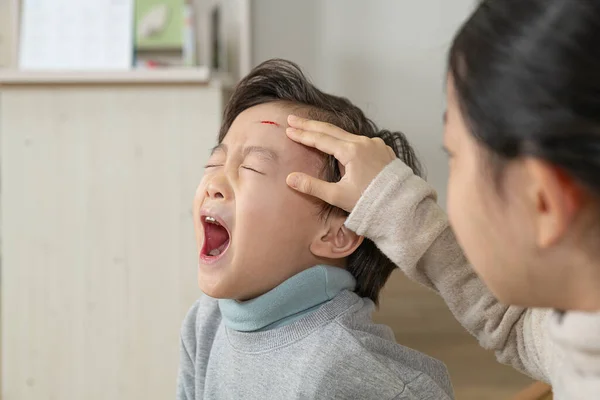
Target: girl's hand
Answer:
pixel 361 160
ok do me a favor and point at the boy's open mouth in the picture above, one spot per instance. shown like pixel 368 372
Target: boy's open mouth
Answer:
pixel 216 239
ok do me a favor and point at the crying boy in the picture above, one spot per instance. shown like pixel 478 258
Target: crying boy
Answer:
pixel 288 289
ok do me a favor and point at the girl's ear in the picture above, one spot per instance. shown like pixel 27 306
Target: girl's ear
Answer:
pixel 556 199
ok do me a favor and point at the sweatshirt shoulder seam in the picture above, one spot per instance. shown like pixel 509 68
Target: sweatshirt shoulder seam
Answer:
pixel 362 346
pixel 419 373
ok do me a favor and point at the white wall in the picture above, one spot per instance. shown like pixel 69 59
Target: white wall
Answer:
pixel 387 56
pixel 6 32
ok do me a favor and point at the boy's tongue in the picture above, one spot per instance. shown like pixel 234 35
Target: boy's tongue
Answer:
pixel 216 236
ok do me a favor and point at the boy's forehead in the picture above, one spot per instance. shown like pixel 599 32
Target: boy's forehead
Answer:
pixel 264 125
pixel 272 112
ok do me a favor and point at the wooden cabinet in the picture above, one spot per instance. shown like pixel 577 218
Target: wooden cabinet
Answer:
pixel 98 255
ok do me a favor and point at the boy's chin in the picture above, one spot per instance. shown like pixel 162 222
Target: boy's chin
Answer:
pixel 215 291
pixel 224 282
pixel 215 280
pixel 226 292
pixel 220 290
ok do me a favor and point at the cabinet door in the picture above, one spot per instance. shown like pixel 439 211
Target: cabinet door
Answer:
pixel 98 255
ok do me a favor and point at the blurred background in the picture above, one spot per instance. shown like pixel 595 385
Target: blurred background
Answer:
pixel 108 110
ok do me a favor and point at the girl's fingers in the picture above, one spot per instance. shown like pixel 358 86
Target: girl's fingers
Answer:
pixel 319 126
pixel 339 148
pixel 328 192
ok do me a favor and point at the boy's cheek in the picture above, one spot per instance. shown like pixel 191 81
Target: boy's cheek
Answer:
pixel 199 232
pixel 264 204
pixel 196 207
pixel 199 196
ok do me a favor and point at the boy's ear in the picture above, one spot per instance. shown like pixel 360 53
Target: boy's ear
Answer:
pixel 335 241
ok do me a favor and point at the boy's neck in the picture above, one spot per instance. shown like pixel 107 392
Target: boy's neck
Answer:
pixel 288 302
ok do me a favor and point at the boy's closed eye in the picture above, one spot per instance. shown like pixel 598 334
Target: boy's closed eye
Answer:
pixel 249 168
pixel 213 165
pixel 259 159
pixel 218 157
pixel 256 159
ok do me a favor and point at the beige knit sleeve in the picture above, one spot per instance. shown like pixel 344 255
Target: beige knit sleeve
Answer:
pixel 398 211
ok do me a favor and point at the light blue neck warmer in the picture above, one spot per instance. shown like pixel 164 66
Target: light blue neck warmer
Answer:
pixel 288 302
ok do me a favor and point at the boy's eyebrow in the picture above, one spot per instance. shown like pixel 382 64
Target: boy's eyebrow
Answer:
pixel 220 147
pixel 263 152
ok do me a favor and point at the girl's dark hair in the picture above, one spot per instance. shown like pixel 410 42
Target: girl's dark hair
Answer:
pixel 526 75
pixel 279 80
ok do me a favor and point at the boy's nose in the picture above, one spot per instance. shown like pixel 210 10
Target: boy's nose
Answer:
pixel 214 193
pixel 217 189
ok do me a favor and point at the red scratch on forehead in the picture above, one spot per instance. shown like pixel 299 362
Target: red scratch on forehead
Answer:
pixel 269 123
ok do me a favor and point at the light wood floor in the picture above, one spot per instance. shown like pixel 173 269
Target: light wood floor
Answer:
pixel 421 320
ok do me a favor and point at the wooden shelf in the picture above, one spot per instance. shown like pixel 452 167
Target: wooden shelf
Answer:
pixel 197 76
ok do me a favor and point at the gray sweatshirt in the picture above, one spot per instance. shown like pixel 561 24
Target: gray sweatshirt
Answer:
pixel 399 213
pixel 334 352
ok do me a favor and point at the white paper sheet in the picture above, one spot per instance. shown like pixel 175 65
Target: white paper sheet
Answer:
pixel 76 34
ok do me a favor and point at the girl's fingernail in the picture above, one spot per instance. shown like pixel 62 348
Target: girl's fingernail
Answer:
pixel 291 130
pixel 292 119
pixel 292 180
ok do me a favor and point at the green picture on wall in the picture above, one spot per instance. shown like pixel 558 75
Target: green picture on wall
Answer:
pixel 159 24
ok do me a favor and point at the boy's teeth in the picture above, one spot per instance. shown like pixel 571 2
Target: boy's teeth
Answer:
pixel 217 251
pixel 211 220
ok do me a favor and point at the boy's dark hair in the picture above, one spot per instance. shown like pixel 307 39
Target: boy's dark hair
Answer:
pixel 280 80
